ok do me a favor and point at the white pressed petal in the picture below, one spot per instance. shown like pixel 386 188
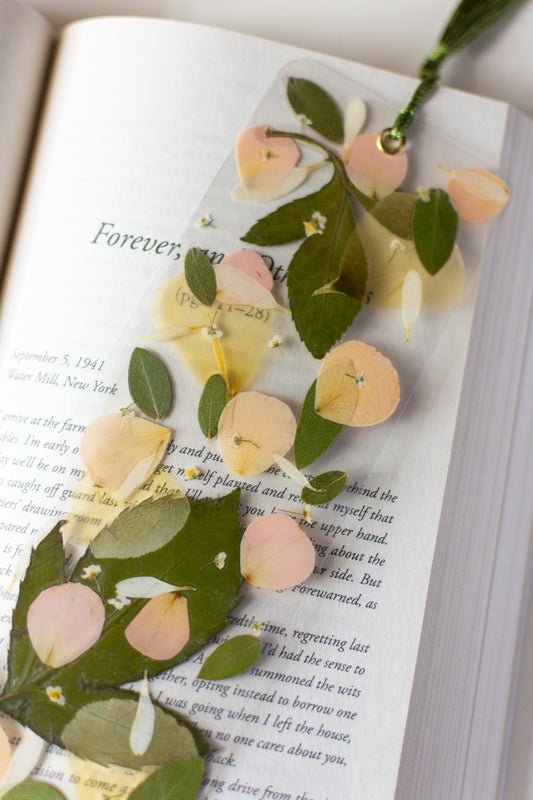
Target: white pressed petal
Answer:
pixel 24 559
pixel 234 286
pixel 411 298
pixel 354 119
pixel 142 470
pixel 290 470
pixel 24 760
pixel 281 181
pixel 143 586
pixel 142 729
pixel 169 333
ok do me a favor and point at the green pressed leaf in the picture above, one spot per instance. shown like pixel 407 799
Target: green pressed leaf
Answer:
pixel 211 405
pixel 231 658
pixel 46 568
pixel 314 434
pixel 395 212
pixel 149 384
pixel 324 487
pixel 200 276
pixel 434 229
pixel 100 731
pixel 317 106
pixel 142 529
pixel 286 224
pixel 327 275
pixel 33 790
pixel 178 781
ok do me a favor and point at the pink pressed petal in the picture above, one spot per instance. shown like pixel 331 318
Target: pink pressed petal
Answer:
pixel 257 153
pixel 374 172
pixel 161 628
pixel 236 287
pixel 63 622
pixel 121 451
pixel 265 426
pixel 276 553
pixel 252 264
pixel 476 194
pixel 378 385
pixel 5 753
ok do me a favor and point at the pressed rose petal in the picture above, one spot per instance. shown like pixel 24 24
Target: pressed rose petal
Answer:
pixel 24 759
pixel 387 270
pixel 411 299
pixel 476 194
pixel 161 628
pixel 336 393
pixel 252 264
pixel 255 152
pixel 251 428
pixel 354 119
pixel 121 451
pixel 142 730
pixel 143 586
pixel 374 172
pixel 64 621
pixel 235 287
pixel 376 379
pixel 5 753
pixel 276 553
pixel 265 187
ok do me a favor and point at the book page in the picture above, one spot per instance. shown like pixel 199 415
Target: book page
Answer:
pixel 138 125
pixel 25 45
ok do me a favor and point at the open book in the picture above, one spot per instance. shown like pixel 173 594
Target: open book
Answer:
pixel 390 671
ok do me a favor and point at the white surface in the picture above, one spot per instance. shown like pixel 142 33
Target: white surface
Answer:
pixel 396 36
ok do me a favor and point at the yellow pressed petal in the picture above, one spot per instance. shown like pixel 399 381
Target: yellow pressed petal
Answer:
pixel 245 333
pixel 336 392
pixel 264 425
pixel 411 299
pixel 386 275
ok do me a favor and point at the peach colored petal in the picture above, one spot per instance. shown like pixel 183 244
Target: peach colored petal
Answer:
pixel 121 451
pixel 276 553
pixel 476 194
pixel 377 381
pixel 255 152
pixel 374 172
pixel 252 264
pixel 63 622
pixel 251 428
pixel 161 629
pixel 336 392
pixel 235 287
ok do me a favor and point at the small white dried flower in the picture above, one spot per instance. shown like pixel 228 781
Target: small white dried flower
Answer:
pixel 55 695
pixel 119 601
pixel 423 194
pixel 306 514
pixel 91 572
pixel 192 474
pixel 205 222
pixel 303 119
pixel 220 560
pixel 212 331
pixel 256 627
pixel 275 342
pixel 360 379
pixel 316 224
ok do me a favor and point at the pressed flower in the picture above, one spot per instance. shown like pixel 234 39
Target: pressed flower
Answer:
pixel 192 474
pixel 306 514
pixel 476 194
pixel 91 572
pixel 411 299
pixel 257 627
pixel 263 424
pixel 220 560
pixel 423 194
pixel 354 120
pixel 374 172
pixel 385 280
pixel 142 730
pixel 251 145
pixel 119 602
pixel 63 622
pixel 317 224
pixel 395 247
pixel 377 395
pixel 276 553
pixel 252 264
pixel 161 629
pixel 275 342
pixel 236 287
pixel 55 695
pixel 205 222
pixel 121 452
pixel 336 393
pixel 303 119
